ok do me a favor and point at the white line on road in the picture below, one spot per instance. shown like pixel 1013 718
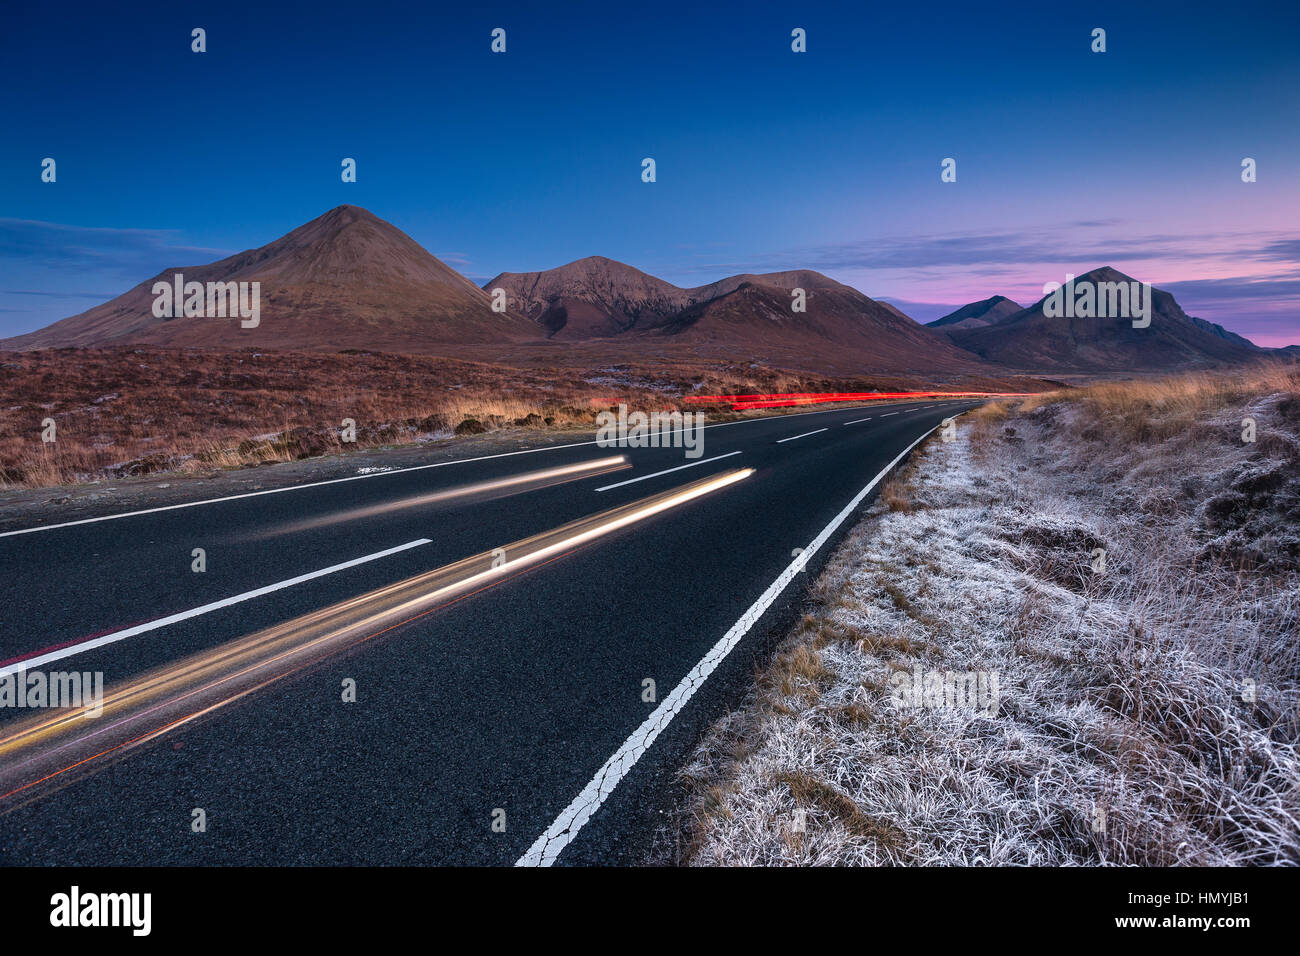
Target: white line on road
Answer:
pixel 562 832
pixel 887 414
pixel 632 481
pixel 381 474
pixel 858 421
pixel 276 491
pixel 780 441
pixel 116 636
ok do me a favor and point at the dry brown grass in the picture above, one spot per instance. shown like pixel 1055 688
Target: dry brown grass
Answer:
pixel 124 412
pixel 811 793
pixel 1144 410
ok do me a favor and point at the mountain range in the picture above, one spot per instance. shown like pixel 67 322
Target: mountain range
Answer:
pixel 598 298
pixel 350 280
pixel 1031 339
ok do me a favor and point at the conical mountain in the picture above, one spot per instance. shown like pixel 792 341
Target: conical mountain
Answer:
pixel 347 279
pixel 1032 340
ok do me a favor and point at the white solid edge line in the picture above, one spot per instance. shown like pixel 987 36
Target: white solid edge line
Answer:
pixel 116 636
pixel 275 491
pixel 547 847
pixel 780 441
pixel 857 421
pixel 692 464
pixel 379 474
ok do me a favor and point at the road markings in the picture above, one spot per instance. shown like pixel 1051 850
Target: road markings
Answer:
pixel 572 818
pixel 377 474
pixel 781 441
pixel 632 481
pixel 512 484
pixel 887 414
pixel 858 421
pixel 46 746
pixel 115 636
pixel 276 491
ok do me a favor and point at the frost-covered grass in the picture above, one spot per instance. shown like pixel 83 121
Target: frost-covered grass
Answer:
pixel 1148 712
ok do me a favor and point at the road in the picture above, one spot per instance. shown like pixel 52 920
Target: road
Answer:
pixel 500 711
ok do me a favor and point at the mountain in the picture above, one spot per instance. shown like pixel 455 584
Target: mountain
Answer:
pixel 840 327
pixel 1031 340
pixel 989 311
pixel 591 297
pixel 1217 330
pixel 793 279
pixel 596 297
pixel 747 315
pixel 350 280
pixel 345 279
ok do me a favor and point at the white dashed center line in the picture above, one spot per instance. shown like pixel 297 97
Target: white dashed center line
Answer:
pixel 115 636
pixel 804 435
pixel 548 846
pixel 692 464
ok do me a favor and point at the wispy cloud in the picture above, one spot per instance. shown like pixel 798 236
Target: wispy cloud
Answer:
pixel 1249 287
pixel 40 260
pixel 1286 285
pixel 459 260
pixel 1093 242
pixel 60 295
pixel 130 254
pixel 1281 250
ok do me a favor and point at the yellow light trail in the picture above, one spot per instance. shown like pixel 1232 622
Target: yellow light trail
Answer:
pixel 52 750
pixel 493 488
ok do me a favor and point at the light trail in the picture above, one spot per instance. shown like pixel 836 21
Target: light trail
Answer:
pixel 785 399
pixel 493 488
pixel 51 750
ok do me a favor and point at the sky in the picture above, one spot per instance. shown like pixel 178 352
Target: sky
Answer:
pixel 766 159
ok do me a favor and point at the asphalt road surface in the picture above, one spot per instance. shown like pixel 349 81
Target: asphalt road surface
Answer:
pixel 498 619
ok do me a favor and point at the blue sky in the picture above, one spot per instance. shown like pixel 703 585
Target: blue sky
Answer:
pixel 766 159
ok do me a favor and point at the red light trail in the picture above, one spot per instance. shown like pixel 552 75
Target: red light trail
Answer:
pixel 741 402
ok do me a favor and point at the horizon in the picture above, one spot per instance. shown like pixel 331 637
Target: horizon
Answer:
pixel 521 167
pixel 940 310
pixel 369 369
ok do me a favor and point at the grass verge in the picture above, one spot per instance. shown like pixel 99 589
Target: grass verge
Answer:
pixel 1122 570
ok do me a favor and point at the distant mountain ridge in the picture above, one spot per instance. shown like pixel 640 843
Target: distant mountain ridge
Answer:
pixel 751 312
pixel 988 311
pixel 1032 340
pixel 1217 330
pixel 596 296
pixel 350 280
